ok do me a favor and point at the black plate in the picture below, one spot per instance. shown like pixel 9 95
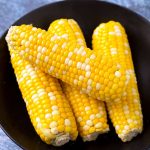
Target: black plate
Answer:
pixel 13 115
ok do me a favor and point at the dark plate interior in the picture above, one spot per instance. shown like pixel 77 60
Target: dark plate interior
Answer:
pixel 13 115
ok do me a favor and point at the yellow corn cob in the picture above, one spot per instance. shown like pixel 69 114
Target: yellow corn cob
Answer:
pixel 49 111
pixel 90 113
pixel 125 113
pixel 56 53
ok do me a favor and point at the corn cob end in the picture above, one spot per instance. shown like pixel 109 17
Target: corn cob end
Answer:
pixel 94 136
pixel 61 140
pixel 130 135
pixel 90 137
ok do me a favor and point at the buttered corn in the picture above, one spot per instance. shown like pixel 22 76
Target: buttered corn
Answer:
pixel 49 111
pixel 90 113
pixel 56 53
pixel 125 112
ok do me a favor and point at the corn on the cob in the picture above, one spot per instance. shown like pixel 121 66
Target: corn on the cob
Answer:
pixel 49 111
pixel 56 53
pixel 90 113
pixel 125 112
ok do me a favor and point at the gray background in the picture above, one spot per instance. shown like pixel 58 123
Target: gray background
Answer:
pixel 11 10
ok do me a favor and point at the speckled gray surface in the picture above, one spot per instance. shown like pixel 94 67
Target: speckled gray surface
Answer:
pixel 12 10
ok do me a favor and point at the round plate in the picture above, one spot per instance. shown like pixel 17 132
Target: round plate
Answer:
pixel 13 115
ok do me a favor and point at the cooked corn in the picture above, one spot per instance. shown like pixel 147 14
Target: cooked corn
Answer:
pixel 49 111
pixel 125 112
pixel 57 54
pixel 90 113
